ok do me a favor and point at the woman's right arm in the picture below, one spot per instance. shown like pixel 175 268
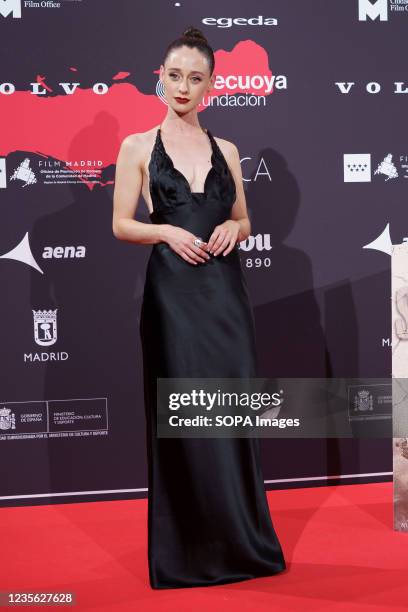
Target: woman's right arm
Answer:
pixel 128 186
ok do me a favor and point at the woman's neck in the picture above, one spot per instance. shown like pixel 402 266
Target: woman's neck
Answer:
pixel 183 127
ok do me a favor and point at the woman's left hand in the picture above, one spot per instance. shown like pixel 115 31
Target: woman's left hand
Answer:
pixel 224 235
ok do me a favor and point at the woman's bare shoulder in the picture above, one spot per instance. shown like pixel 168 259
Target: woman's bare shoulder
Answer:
pixel 139 138
pixel 139 144
pixel 227 147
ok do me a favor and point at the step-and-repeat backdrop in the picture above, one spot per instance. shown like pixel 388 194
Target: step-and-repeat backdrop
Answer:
pixel 314 96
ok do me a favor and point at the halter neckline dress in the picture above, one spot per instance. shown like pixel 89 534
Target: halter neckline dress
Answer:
pixel 208 516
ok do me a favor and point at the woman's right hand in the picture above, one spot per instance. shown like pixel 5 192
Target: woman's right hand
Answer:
pixel 181 241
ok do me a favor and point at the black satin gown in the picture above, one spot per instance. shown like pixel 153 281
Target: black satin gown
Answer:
pixel 208 517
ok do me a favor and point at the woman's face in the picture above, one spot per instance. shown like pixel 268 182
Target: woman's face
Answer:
pixel 185 74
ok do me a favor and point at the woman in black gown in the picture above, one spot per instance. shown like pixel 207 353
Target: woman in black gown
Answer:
pixel 208 517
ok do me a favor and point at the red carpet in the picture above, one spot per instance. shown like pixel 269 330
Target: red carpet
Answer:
pixel 341 550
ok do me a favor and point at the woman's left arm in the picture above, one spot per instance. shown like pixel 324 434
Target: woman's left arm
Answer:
pixel 239 211
pixel 238 227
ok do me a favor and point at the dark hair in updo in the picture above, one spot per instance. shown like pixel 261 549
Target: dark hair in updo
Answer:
pixel 193 38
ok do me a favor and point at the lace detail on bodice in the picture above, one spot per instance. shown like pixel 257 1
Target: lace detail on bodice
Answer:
pixel 170 189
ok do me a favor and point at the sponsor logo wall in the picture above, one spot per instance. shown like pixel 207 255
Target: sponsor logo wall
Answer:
pixel 314 98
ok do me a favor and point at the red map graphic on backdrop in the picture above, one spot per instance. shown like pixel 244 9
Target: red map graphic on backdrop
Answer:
pixel 85 125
